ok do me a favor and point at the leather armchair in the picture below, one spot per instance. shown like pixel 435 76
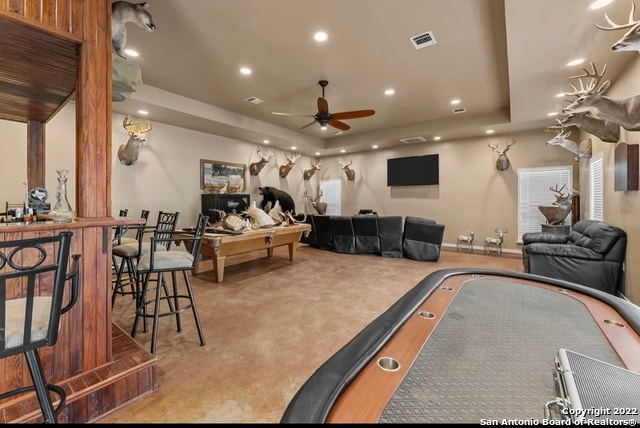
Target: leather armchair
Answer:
pixel 592 254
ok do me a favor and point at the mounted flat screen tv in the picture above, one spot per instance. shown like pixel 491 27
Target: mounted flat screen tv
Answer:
pixel 413 171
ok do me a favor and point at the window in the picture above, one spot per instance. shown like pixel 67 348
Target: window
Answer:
pixel 533 190
pixel 331 194
pixel 596 202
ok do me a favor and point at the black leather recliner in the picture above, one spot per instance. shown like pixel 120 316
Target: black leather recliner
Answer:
pixel 592 254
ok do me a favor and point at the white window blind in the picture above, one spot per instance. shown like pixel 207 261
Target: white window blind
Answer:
pixel 331 194
pixel 533 190
pixel 596 202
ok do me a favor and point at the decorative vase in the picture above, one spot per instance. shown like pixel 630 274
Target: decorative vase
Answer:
pixel 61 212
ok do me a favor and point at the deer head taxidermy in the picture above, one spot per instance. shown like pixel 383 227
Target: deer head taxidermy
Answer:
pixel 320 207
pixel 291 161
pixel 606 130
pixel 137 129
pixel 583 149
pixel 315 166
pixel 590 99
pixel 630 41
pixel 256 167
pixel 502 161
pixel 351 174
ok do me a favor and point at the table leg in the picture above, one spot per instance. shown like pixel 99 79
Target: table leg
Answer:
pixel 218 267
pixel 292 250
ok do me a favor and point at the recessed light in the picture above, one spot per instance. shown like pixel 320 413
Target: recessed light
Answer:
pixel 560 94
pixel 317 153
pixel 320 36
pixel 437 138
pixel 343 151
pixel 143 112
pixel 599 4
pixel 389 91
pixel 131 52
pixel 266 141
pixel 553 113
pixel 245 70
pixel 575 62
pixel 375 146
pixel 293 147
pixel 489 131
pixel 455 102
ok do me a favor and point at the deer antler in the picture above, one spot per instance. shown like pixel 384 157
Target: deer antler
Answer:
pixel 595 76
pixel 614 26
pixel 513 141
pixel 136 126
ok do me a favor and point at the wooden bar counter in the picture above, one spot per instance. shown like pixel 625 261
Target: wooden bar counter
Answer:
pixel 99 366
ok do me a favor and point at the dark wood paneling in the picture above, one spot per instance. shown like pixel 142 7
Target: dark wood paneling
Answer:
pixel 626 167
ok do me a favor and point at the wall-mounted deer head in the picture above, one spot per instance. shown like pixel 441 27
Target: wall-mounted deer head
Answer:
pixel 256 167
pixel 607 131
pixel 351 174
pixel 315 166
pixel 590 99
pixel 291 161
pixel 137 130
pixel 321 207
pixel 583 149
pixel 502 161
pixel 631 39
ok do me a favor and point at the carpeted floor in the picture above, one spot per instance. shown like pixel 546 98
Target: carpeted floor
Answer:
pixel 268 326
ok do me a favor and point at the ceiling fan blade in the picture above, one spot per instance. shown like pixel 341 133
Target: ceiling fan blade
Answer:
pixel 353 114
pixel 338 125
pixel 292 114
pixel 323 106
pixel 308 124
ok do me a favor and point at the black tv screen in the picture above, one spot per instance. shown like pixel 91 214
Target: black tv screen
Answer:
pixel 413 171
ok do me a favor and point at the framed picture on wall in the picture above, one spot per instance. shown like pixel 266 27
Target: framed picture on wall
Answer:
pixel 222 176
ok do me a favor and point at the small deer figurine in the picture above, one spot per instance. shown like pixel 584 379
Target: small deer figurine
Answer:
pixel 321 207
pixel 291 161
pixel 466 241
pixel 495 243
pixel 256 167
pixel 502 162
pixel 315 166
pixel 351 174
pixel 123 12
pixel 137 130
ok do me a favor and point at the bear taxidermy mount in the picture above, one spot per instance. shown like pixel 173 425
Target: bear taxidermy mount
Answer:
pixel 270 195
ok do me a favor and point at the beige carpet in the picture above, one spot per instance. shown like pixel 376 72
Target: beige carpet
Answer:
pixel 268 326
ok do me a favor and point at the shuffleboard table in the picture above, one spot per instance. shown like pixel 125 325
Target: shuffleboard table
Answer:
pixel 218 246
pixel 484 347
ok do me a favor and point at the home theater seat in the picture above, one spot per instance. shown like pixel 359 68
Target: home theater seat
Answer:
pixel 390 234
pixel 422 239
pixel 366 231
pixel 344 238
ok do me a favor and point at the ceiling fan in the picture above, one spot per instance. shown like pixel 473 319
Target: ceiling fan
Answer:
pixel 324 118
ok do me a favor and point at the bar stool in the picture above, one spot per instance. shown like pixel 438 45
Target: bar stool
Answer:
pixel 157 263
pixel 131 249
pixel 32 289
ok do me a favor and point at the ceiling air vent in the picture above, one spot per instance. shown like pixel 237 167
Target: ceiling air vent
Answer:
pixel 423 40
pixel 254 100
pixel 458 110
pixel 412 140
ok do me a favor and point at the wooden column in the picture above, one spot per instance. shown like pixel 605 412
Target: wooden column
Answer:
pixel 36 159
pixel 93 113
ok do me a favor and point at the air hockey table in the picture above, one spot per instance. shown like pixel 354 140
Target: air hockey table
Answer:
pixel 485 347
